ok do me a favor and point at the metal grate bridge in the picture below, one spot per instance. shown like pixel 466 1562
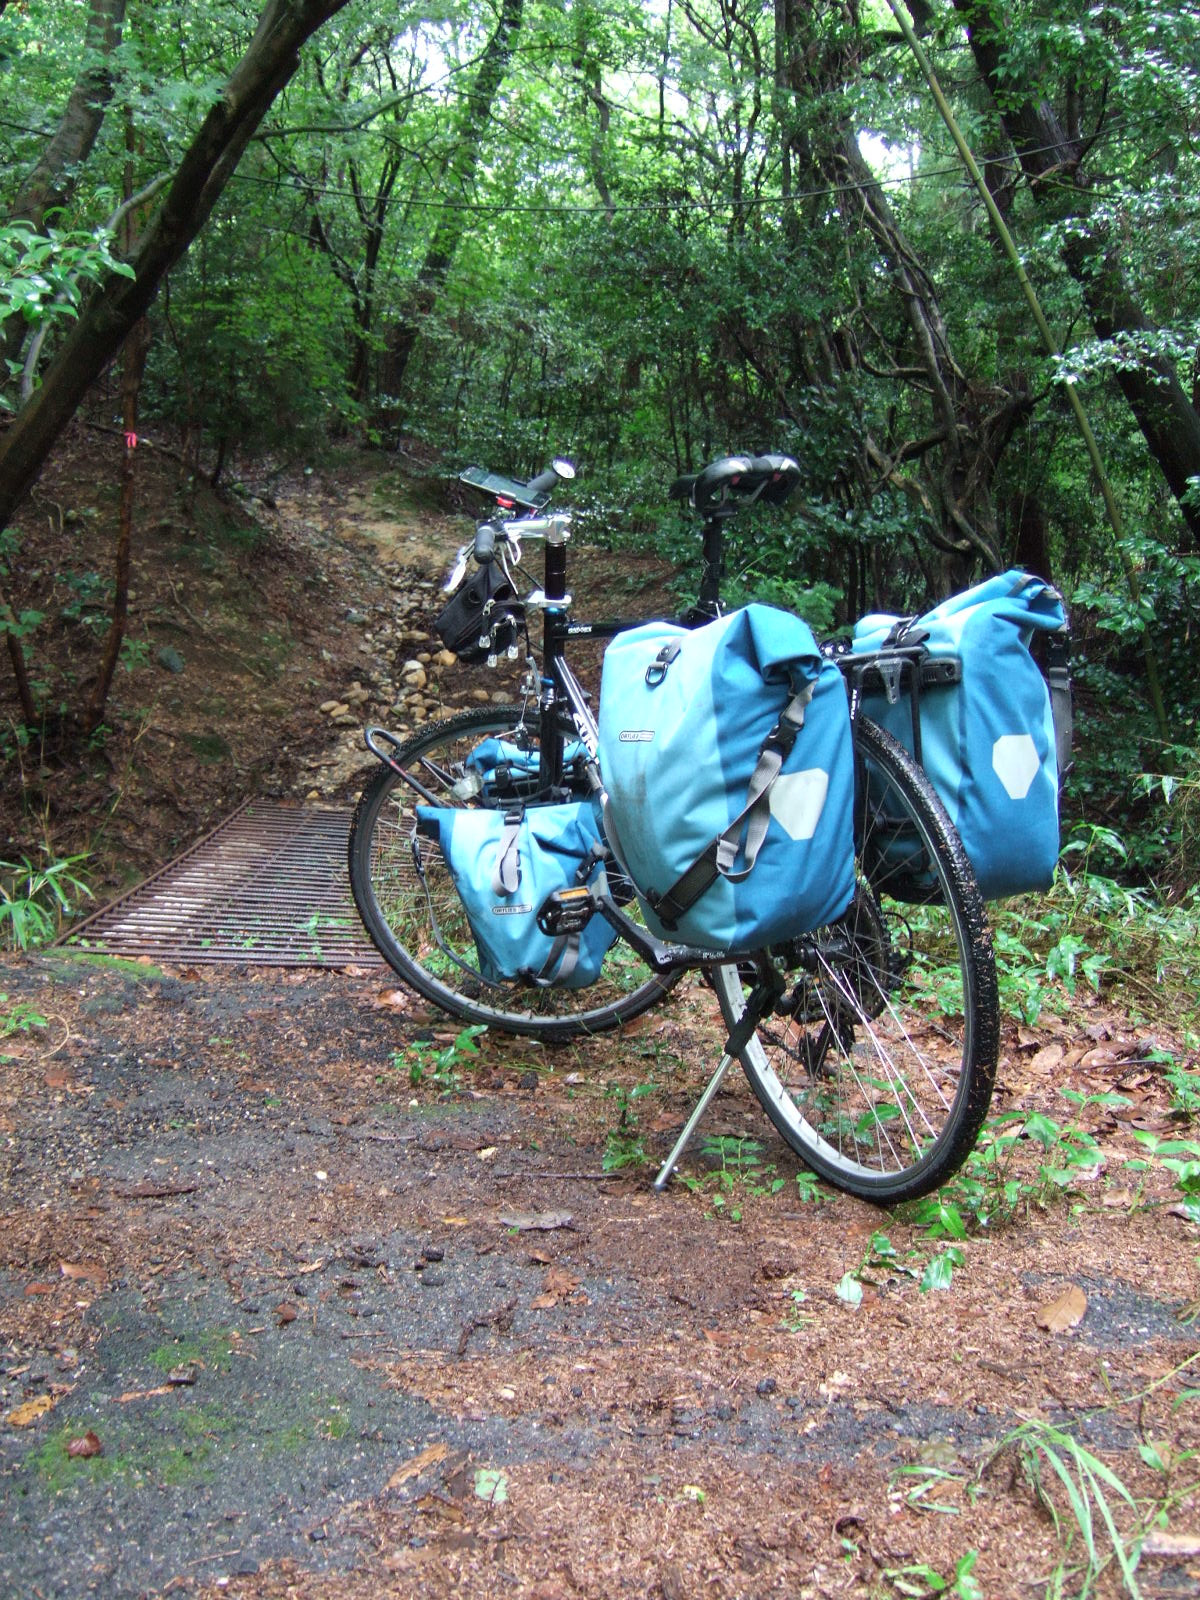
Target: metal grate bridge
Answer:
pixel 269 886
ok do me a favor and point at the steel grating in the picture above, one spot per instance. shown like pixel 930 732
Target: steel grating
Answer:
pixel 269 886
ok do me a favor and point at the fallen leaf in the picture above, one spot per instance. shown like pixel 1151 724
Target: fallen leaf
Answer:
pixel 1050 1055
pixel 560 1281
pixel 76 1269
pixel 393 1000
pixel 491 1485
pixel 39 1288
pixel 1158 1542
pixel 488 1153
pixel 535 1221
pixel 456 1222
pixel 1056 1316
pixel 24 1416
pixel 1117 1199
pixel 285 1312
pixel 543 1302
pixel 86 1445
pixel 418 1464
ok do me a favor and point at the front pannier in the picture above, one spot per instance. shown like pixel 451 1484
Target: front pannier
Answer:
pixel 726 755
pixel 505 866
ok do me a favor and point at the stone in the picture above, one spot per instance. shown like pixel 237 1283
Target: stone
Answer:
pixel 170 659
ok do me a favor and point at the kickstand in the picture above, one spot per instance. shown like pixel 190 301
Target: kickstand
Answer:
pixel 758 1003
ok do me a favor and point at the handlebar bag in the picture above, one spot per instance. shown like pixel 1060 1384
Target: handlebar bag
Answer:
pixel 476 622
pixel 505 865
pixel 726 755
pixel 994 742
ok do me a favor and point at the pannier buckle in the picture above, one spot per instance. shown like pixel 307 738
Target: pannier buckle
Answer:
pixel 657 670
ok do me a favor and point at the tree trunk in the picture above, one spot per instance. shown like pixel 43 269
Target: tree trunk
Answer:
pixel 52 179
pixel 460 174
pixel 51 182
pixel 136 349
pixel 1167 417
pixel 118 304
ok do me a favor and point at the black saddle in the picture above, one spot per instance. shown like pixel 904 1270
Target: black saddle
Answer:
pixel 731 482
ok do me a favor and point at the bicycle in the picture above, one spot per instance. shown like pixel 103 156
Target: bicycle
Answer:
pixel 871 1043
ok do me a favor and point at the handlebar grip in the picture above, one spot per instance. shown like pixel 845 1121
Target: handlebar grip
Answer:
pixel 543 483
pixel 485 543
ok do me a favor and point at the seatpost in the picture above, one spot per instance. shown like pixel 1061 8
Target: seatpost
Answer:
pixel 713 563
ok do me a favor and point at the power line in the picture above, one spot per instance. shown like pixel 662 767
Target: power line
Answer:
pixel 651 208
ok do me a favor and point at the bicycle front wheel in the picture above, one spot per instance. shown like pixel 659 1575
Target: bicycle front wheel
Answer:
pixel 878 1068
pixel 411 909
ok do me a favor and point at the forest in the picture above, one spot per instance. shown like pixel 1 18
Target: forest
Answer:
pixel 945 255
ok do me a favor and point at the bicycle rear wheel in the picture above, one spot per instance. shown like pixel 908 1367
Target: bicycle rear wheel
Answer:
pixel 878 1069
pixel 412 911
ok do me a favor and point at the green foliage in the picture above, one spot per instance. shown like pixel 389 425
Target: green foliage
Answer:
pixel 426 1060
pixel 36 900
pixel 623 1145
pixel 43 276
pixel 1100 1512
pixel 1091 928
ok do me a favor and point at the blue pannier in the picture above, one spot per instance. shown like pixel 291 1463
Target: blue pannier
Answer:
pixel 726 756
pixel 505 865
pixel 992 734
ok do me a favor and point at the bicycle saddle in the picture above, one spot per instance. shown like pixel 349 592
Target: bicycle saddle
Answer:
pixel 747 478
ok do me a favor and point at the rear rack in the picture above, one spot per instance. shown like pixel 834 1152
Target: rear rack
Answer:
pixel 900 669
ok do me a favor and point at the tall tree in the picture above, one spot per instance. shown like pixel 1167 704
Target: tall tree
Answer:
pixel 457 186
pixel 1053 142
pixel 268 63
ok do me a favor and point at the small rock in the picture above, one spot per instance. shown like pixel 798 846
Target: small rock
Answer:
pixel 445 658
pixel 766 1386
pixel 170 659
pixel 328 707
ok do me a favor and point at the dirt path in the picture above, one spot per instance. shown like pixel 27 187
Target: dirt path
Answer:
pixel 337 1334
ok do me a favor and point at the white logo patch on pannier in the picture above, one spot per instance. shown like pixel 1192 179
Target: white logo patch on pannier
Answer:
pixel 1016 763
pixel 797 800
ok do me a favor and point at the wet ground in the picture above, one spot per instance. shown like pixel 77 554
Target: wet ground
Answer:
pixel 275 1319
